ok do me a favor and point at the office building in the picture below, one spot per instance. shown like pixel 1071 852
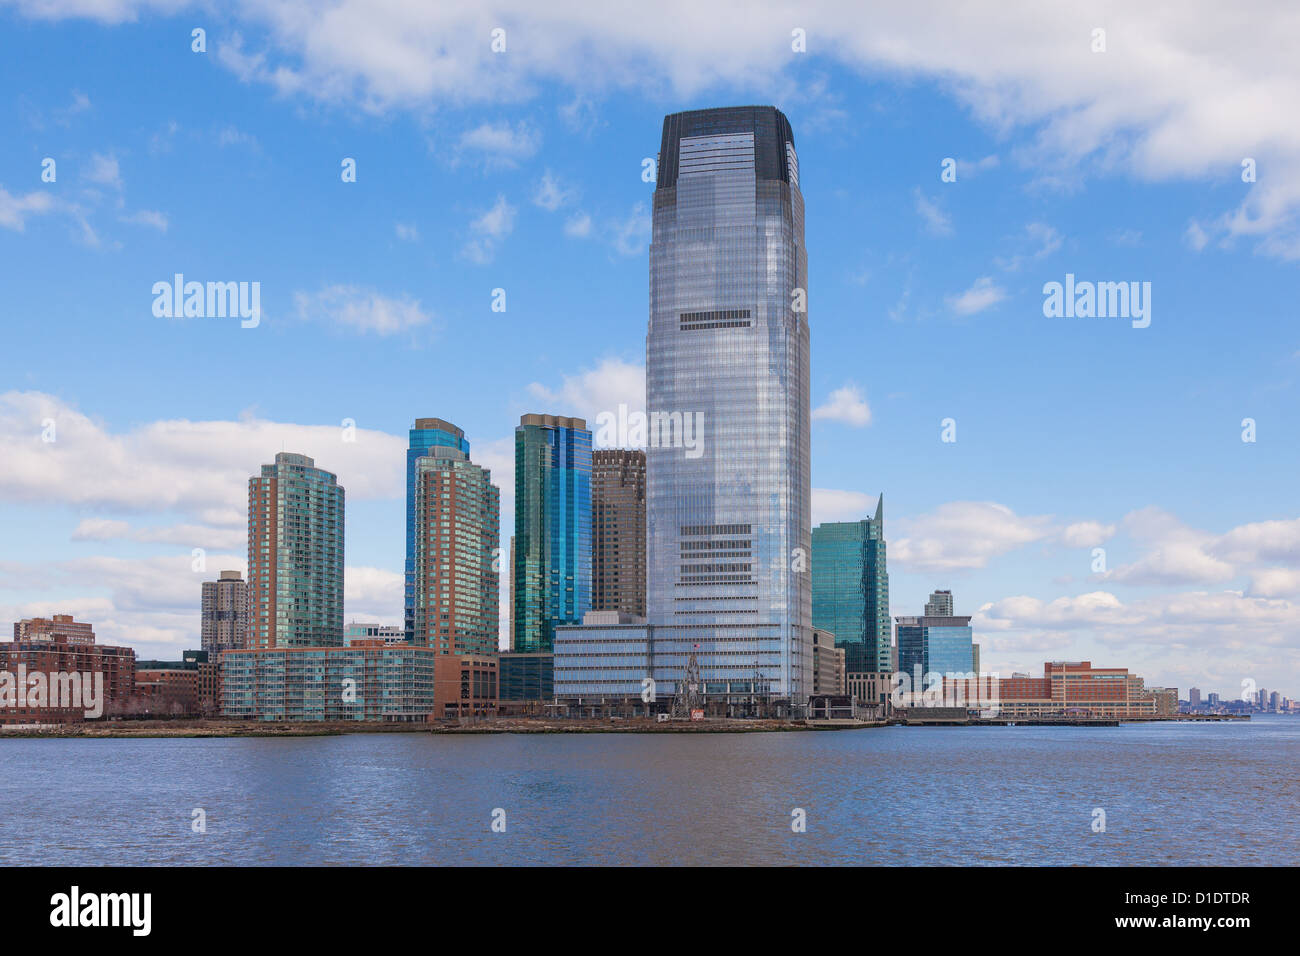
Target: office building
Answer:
pixel 295 556
pixel 935 643
pixel 457 585
pixel 850 590
pixel 525 681
pixel 939 605
pixel 618 525
pixel 428 433
pixel 359 631
pixel 552 543
pixel 224 613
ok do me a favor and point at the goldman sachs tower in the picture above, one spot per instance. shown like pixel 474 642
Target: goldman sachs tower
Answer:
pixel 729 520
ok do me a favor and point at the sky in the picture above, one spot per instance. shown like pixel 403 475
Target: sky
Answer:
pixel 1154 146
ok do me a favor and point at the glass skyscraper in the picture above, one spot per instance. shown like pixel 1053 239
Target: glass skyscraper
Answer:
pixel 427 433
pixel 940 643
pixel 729 522
pixel 850 590
pixel 295 556
pixel 551 581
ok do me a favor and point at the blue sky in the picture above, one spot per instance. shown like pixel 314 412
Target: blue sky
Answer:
pixel 522 171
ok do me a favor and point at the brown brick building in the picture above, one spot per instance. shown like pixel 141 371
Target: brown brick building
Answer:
pixel 58 654
pixel 618 531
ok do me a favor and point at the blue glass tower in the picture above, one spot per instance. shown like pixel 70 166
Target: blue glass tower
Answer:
pixel 427 433
pixel 850 590
pixel 552 549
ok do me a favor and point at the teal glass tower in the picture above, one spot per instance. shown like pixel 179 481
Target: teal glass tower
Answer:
pixel 850 590
pixel 428 433
pixel 552 549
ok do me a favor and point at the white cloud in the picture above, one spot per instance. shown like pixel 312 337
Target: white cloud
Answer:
pixel 847 405
pixel 551 194
pixel 104 169
pixel 980 296
pixel 148 217
pixel 500 144
pixel 963 535
pixel 578 226
pixel 1086 534
pixel 198 468
pixel 14 210
pixel 833 504
pixel 631 235
pixel 406 232
pixel 612 382
pixel 361 310
pixel 489 230
pixel 1196 236
pixel 935 219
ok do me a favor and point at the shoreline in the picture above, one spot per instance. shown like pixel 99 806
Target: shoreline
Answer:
pixel 540 725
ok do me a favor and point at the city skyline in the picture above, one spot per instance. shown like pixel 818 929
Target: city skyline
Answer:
pixel 1073 434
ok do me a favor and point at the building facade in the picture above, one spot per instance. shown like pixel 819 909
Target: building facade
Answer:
pixel 59 627
pixel 551 583
pixel 428 433
pixel 456 582
pixel 525 680
pixel 939 605
pixel 360 631
pixel 368 680
pixel 727 356
pixel 224 613
pixel 935 645
pixel 295 556
pixel 1066 689
pixel 54 679
pixel 618 526
pixel 850 590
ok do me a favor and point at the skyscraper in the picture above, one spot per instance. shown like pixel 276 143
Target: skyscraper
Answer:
pixel 295 556
pixel 729 522
pixel 850 590
pixel 939 605
pixel 224 614
pixel 552 545
pixel 427 433
pixel 618 530
pixel 457 524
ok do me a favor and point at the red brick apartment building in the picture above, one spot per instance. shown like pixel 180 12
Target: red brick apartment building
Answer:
pixel 1066 689
pixel 54 647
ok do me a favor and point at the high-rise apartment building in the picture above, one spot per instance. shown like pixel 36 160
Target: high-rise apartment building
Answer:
pixel 59 627
pixel 295 556
pixel 458 533
pixel 428 433
pixel 850 590
pixel 224 614
pixel 939 605
pixel 618 531
pixel 552 545
pixel 729 522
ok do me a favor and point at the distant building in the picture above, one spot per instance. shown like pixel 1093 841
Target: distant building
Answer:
pixel 54 666
pixel 190 687
pixel 295 556
pixel 939 605
pixel 828 664
pixel 368 680
pixel 465 685
pixel 935 643
pixel 457 584
pixel 1066 689
pixel 870 687
pixel 850 589
pixel 59 627
pixel 1166 700
pixel 551 580
pixel 427 434
pixel 224 613
pixel 525 680
pixel 388 633
pixel 1194 697
pixel 618 541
